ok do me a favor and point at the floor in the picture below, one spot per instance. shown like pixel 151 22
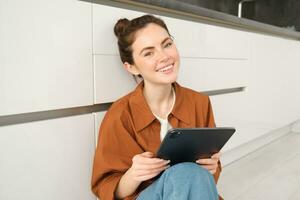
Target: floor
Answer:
pixel 272 172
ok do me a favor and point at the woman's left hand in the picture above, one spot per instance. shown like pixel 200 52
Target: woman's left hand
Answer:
pixel 211 164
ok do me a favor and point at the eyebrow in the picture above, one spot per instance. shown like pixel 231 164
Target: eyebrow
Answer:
pixel 151 47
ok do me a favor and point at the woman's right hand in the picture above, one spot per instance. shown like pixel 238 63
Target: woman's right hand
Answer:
pixel 145 166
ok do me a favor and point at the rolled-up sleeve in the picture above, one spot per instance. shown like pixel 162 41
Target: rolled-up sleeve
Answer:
pixel 113 155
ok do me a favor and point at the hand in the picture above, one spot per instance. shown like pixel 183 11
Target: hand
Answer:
pixel 145 166
pixel 211 164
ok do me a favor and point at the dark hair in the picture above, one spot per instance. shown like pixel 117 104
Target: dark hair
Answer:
pixel 125 31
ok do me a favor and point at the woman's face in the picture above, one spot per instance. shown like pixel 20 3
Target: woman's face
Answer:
pixel 155 55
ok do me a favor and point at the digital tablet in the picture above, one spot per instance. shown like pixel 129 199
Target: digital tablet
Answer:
pixel 190 144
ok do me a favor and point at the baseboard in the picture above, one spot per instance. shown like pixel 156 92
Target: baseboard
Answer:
pixel 248 147
pixel 296 126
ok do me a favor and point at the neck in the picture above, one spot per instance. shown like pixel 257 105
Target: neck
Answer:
pixel 159 98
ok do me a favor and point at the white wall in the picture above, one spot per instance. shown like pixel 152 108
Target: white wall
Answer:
pixel 63 54
pixel 46 63
pixel 296 127
pixel 48 160
pixel 45 55
pixel 272 96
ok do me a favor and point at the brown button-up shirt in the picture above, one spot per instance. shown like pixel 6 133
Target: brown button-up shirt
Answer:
pixel 130 128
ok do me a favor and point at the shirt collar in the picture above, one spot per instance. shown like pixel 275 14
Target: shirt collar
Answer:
pixel 182 105
pixel 142 115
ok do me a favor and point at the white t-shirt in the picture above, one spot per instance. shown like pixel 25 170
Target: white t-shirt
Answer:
pixel 164 124
pixel 164 127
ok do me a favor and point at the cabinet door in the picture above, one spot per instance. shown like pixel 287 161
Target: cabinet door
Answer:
pixel 112 81
pixel 199 40
pixel 47 160
pixel 104 19
pixel 213 74
pixel 98 120
pixel 45 55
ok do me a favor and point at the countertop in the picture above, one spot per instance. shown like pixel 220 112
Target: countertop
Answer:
pixel 187 11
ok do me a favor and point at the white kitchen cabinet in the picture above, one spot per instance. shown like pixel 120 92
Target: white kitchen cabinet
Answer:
pixel 45 55
pixel 47 160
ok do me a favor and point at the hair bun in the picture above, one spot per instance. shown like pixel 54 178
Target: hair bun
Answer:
pixel 121 26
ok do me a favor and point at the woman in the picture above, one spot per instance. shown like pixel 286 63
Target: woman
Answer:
pixel 125 166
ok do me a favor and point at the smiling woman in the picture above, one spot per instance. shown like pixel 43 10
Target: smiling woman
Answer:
pixel 125 164
pixel 155 56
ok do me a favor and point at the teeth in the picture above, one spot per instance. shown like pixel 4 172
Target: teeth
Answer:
pixel 166 68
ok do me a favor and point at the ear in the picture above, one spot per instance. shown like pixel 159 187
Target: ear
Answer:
pixel 131 68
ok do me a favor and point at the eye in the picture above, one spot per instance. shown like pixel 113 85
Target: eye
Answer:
pixel 168 44
pixel 148 54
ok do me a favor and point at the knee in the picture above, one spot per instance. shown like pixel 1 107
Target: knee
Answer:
pixel 189 169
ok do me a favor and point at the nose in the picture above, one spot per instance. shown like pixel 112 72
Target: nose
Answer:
pixel 162 56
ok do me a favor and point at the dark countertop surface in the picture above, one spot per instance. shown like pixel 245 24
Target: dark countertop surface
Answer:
pixel 179 9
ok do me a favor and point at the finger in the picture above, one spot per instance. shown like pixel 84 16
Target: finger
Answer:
pixel 145 178
pixel 212 171
pixel 150 173
pixel 143 166
pixel 209 167
pixel 216 155
pixel 146 160
pixel 150 161
pixel 139 166
pixel 207 161
pixel 147 154
pixel 206 167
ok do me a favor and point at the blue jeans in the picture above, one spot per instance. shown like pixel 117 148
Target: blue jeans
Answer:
pixel 184 181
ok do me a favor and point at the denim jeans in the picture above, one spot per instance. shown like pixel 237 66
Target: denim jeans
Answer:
pixel 184 181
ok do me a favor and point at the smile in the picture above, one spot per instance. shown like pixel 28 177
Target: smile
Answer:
pixel 167 68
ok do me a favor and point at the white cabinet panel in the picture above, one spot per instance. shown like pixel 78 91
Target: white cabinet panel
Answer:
pixel 251 123
pixel 207 41
pixel 45 55
pixel 275 77
pixel 47 160
pixel 189 37
pixel 233 110
pixel 221 74
pixel 98 119
pixel 223 42
pixel 193 39
pixel 192 74
pixel 104 20
pixel 296 126
pixel 112 81
pixel 212 74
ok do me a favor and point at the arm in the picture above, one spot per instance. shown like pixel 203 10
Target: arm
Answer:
pixel 112 158
pixel 144 167
pixel 127 185
pixel 120 164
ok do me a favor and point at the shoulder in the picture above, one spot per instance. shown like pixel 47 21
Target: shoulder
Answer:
pixel 202 107
pixel 118 113
pixel 194 96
